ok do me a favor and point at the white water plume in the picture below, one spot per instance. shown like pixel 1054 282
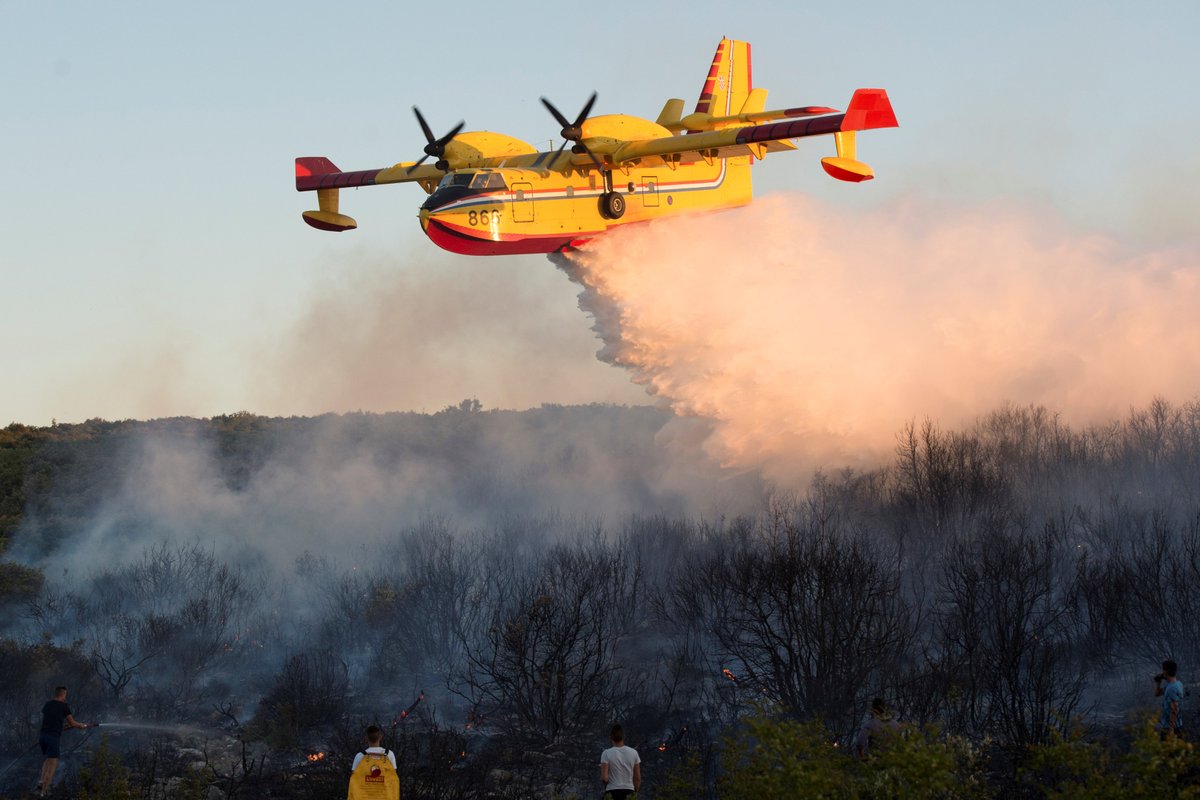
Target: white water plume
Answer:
pixel 178 730
pixel 809 335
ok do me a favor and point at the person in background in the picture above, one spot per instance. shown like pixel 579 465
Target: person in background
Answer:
pixel 876 723
pixel 373 774
pixel 1168 686
pixel 56 718
pixel 620 768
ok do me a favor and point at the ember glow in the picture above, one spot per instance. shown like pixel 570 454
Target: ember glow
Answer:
pixel 314 757
pixel 403 715
pixel 728 673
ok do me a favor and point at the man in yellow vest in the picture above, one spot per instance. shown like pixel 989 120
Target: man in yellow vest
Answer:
pixel 373 775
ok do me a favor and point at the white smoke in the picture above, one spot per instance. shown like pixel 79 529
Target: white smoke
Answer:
pixel 809 336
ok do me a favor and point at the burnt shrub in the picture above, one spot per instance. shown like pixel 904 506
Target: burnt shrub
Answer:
pixel 310 691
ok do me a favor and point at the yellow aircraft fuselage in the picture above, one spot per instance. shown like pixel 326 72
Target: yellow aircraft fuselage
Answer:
pixel 532 207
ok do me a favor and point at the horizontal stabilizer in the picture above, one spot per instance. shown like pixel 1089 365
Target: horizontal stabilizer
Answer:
pixel 671 113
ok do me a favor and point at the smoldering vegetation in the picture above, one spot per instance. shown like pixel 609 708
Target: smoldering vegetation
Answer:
pixel 237 598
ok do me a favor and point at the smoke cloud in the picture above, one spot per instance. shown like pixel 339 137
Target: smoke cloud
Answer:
pixel 258 490
pixel 809 336
pixel 424 332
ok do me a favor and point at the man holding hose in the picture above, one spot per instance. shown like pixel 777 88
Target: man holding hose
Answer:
pixel 56 718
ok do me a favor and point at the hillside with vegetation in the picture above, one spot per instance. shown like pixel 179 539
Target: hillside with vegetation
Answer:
pixel 237 597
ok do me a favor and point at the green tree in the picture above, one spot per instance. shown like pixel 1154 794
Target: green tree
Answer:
pixel 104 777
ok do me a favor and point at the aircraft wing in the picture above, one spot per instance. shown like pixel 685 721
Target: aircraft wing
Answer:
pixel 869 108
pixel 318 172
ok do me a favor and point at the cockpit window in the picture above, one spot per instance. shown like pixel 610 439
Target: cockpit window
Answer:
pixel 456 179
pixel 488 181
pixel 479 181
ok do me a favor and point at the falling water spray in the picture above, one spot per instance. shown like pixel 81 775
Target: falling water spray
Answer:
pixel 178 730
pixel 809 336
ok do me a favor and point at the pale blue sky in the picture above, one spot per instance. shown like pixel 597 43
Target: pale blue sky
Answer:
pixel 152 257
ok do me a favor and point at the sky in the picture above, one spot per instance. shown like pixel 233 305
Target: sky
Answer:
pixel 153 262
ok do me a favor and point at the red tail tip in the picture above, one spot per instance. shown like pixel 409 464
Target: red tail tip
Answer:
pixel 307 166
pixel 869 108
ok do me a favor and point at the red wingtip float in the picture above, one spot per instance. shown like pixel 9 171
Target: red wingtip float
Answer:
pixel 491 194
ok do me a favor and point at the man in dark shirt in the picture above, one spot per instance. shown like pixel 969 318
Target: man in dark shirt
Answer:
pixel 56 717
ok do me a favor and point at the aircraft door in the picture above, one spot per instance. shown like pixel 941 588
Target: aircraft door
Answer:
pixel 522 202
pixel 649 191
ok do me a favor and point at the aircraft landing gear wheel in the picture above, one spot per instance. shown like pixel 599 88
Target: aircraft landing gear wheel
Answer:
pixel 612 205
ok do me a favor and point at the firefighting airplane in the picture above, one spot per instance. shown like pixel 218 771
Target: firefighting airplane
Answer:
pixel 491 194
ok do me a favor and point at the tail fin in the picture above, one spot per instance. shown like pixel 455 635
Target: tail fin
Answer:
pixel 729 80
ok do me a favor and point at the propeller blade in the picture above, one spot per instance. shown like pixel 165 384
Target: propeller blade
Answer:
pixel 586 110
pixel 558 153
pixel 419 163
pixel 562 121
pixel 573 131
pixel 595 160
pixel 442 142
pixel 435 147
pixel 424 125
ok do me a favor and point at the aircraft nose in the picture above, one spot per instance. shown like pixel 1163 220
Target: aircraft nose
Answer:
pixel 424 217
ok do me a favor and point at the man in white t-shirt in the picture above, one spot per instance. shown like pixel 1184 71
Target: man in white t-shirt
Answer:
pixel 620 768
pixel 375 747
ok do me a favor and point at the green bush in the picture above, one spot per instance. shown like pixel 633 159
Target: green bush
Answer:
pixel 921 764
pixel 104 777
pixel 1072 768
pixel 772 759
pixel 683 781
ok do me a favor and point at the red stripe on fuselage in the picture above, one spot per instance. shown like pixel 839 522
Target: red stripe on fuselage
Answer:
pixel 704 104
pixel 749 69
pixel 449 239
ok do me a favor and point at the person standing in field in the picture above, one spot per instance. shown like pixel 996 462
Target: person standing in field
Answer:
pixel 1168 686
pixel 876 724
pixel 56 718
pixel 373 774
pixel 620 768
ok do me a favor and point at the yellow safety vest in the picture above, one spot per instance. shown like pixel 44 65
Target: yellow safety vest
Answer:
pixel 374 779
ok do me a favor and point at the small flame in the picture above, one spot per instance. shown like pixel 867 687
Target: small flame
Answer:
pixel 729 674
pixel 316 756
pixel 662 748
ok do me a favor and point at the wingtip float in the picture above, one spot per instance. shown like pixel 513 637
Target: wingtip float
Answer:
pixel 492 194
